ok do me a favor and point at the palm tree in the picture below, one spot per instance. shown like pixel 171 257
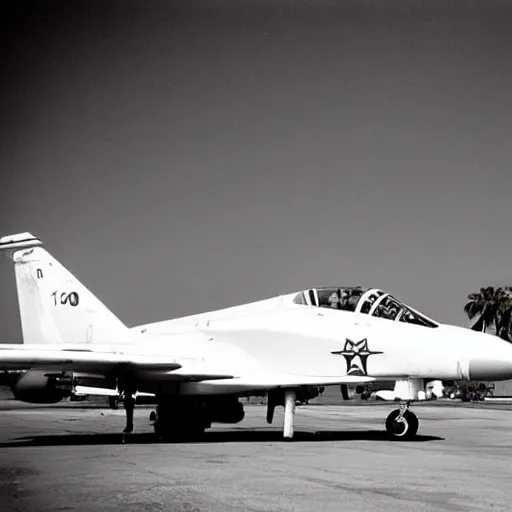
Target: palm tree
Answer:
pixel 493 307
pixel 504 316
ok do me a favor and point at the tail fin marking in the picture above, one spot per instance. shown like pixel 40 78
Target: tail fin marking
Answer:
pixel 55 307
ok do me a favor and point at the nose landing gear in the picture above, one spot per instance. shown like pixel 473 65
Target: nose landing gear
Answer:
pixel 402 424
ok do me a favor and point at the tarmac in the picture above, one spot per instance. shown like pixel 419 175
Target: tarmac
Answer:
pixel 71 457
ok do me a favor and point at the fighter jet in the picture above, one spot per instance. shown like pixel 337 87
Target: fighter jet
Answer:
pixel 198 367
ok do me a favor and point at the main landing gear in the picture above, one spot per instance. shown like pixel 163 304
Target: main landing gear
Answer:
pixel 402 424
pixel 287 399
pixel 128 388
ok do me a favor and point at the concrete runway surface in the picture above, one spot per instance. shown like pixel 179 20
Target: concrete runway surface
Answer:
pixel 70 457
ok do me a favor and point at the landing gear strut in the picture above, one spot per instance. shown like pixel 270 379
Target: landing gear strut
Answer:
pixel 287 399
pixel 401 423
pixel 289 410
pixel 128 389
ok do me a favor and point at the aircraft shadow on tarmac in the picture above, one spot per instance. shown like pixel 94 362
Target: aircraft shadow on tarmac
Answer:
pixel 249 436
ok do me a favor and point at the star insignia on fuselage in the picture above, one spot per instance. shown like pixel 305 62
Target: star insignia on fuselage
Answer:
pixel 356 355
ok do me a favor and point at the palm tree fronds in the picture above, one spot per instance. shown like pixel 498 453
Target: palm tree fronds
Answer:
pixel 492 306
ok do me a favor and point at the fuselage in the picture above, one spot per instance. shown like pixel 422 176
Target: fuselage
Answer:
pixel 279 336
pixel 283 342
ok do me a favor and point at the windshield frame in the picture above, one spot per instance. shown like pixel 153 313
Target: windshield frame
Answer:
pixel 311 298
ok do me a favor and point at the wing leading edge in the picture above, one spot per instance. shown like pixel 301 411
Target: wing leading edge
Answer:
pixel 101 362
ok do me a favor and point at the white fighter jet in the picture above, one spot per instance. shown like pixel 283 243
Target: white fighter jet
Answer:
pixel 199 366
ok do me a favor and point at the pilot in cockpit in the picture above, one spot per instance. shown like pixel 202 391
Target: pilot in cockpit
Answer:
pixel 339 300
pixel 345 300
pixel 334 300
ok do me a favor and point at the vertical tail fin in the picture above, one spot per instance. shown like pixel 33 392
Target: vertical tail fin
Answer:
pixel 55 307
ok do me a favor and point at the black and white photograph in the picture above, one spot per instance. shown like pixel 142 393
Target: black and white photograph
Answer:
pixel 256 255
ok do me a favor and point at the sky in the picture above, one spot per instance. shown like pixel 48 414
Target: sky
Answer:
pixel 184 156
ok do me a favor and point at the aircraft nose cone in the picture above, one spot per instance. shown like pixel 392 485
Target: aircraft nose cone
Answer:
pixel 493 364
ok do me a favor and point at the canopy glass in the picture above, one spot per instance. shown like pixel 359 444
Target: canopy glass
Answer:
pixel 369 301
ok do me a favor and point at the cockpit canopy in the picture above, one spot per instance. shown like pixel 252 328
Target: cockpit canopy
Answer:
pixel 369 301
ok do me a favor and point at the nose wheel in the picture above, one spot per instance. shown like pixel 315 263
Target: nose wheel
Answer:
pixel 402 424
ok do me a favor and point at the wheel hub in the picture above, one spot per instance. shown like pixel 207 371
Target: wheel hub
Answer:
pixel 399 427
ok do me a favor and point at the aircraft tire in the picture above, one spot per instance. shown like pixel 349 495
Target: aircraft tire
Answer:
pixel 403 430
